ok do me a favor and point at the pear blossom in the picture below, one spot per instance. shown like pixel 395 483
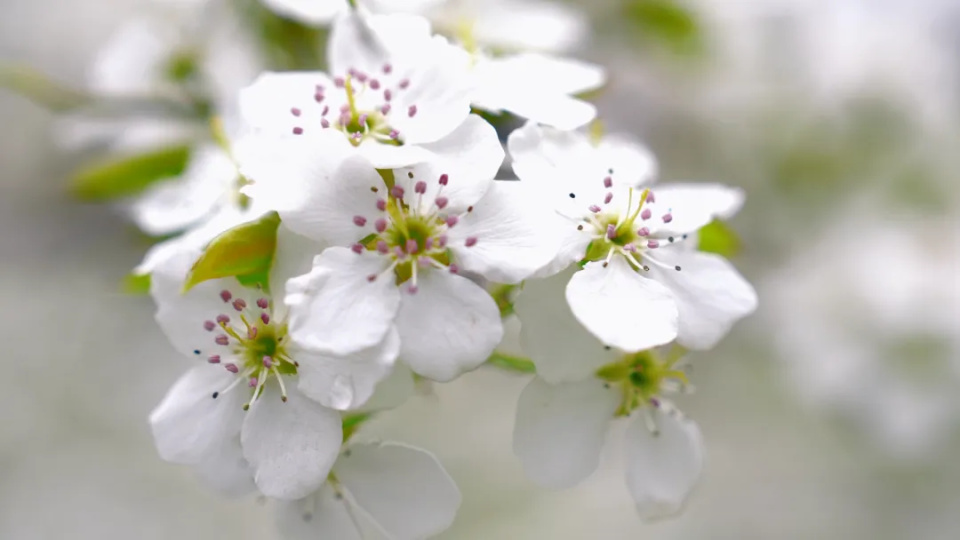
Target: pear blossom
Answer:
pixel 257 409
pixel 375 490
pixel 402 250
pixel 537 86
pixel 641 284
pixel 396 92
pixel 581 387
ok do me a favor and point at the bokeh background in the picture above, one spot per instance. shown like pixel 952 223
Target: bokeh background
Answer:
pixel 831 413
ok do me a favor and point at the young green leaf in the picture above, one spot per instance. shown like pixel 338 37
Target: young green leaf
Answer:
pixel 245 251
pixel 717 237
pixel 118 177
pixel 136 284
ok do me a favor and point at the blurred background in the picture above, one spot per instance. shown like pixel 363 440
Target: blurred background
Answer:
pixel 831 413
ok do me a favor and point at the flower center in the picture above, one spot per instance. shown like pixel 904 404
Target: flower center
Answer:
pixel 642 378
pixel 361 105
pixel 412 232
pixel 253 346
pixel 632 232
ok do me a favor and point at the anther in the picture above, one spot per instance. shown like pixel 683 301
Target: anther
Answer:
pixel 357 248
pixel 196 351
pixel 454 268
pixel 579 227
pixel 381 205
pixel 222 339
pixel 253 382
pixel 667 218
pixel 650 197
pixel 214 359
pixel 653 244
pixel 573 195
pixel 643 231
pixel 223 319
pixel 263 303
pixel 324 123
pixel 298 131
pixel 339 82
pixel 444 179
pixel 252 332
pixel 411 246
pixel 608 198
pixel 397 192
pixel 608 182
pixel 412 111
pixel 471 241
pixel 595 209
pixel 209 326
pixel 267 362
pixel 442 241
pixel 442 202
pixel 215 395
pixel 265 318
pixel 646 214
pixel 295 111
pixel 452 221
pixel 380 225
pixel 387 68
pixel 404 84
pixel 394 134
pixel 232 368
pixel 611 232
pixel 382 247
pixel 318 97
pixel 412 289
pixel 387 95
pixel 420 187
pixel 225 295
pixel 374 84
pixel 670 239
pixel 385 109
pixel 371 278
pixel 359 221
pixel 646 268
pixel 239 304
pixel 677 268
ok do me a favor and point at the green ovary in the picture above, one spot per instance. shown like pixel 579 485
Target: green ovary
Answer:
pixel 641 377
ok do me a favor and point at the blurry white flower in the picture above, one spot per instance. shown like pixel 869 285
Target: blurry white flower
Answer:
pixel 385 490
pixel 872 335
pixel 400 250
pixel 537 87
pixel 565 412
pixel 254 407
pixel 641 285
pixel 396 92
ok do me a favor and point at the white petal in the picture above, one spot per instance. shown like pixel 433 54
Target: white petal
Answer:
pixel 312 12
pixel 319 187
pixel 224 469
pixel 662 469
pixel 336 308
pixel 560 430
pixel 268 104
pixel 557 343
pixel 622 308
pixel 176 204
pixel 450 326
pixel 321 515
pixel 710 294
pixel 347 382
pixel 556 110
pixel 515 234
pixel 388 156
pixel 188 425
pixel 182 316
pixel 293 257
pixel 365 42
pixel 291 445
pixel 405 490
pixel 557 27
pixel 470 156
pixel 692 206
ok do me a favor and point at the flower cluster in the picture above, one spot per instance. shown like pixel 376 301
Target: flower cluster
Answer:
pixel 343 234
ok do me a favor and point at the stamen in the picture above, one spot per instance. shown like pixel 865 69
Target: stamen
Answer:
pixel 381 205
pixel 441 202
pixel 265 318
pixel 471 241
pixel 232 368
pixel 359 221
pixel 298 131
pixel 267 362
pixel 397 192
pixel 357 248
pixel 252 332
pixel 225 295
pixel 412 111
pixel 380 225
pixel 608 182
pixel 283 387
pixel 263 303
pixel 209 326
pixel 444 179
pixel 645 214
pixel 611 232
pixel 222 339
pixel 452 221
pixel 420 187
pixel 214 359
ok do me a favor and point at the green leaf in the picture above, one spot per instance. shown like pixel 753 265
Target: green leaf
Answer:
pixel 717 237
pixel 136 284
pixel 352 422
pixel 245 251
pixel 511 362
pixel 667 23
pixel 115 177
pixel 41 89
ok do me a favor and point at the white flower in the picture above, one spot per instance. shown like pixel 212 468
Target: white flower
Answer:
pixel 872 337
pixel 400 251
pixel 394 91
pixel 565 412
pixel 254 407
pixel 537 87
pixel 385 490
pixel 641 284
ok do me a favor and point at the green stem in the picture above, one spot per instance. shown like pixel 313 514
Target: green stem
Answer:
pixel 511 362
